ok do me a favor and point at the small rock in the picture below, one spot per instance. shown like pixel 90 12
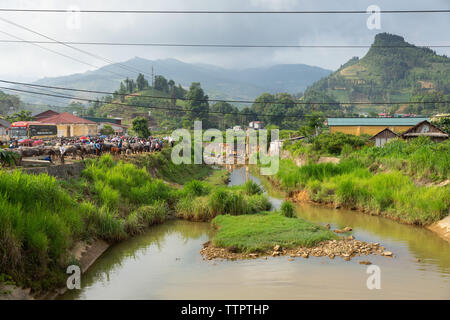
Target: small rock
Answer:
pixel 418 260
pixel 276 248
pixel 233 249
pixel 327 226
pixel 206 244
pixel 253 255
pixel 275 253
pixel 290 259
pixel 339 231
pixel 347 258
pixel 351 238
pixel 387 254
pixel 347 229
pixel 265 258
pixel 365 262
pixel 305 255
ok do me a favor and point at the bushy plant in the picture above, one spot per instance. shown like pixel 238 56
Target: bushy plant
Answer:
pixel 288 209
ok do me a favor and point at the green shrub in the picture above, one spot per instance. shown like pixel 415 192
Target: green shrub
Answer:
pixel 288 209
pixel 252 188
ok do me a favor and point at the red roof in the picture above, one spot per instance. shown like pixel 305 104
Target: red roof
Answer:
pixel 66 118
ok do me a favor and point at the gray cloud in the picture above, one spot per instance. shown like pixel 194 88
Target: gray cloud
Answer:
pixel 23 61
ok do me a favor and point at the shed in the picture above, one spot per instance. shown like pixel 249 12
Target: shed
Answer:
pixel 382 137
pixel 358 126
pixel 72 126
pixel 425 129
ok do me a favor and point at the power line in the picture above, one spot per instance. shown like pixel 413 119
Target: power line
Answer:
pixel 221 100
pixel 123 66
pixel 218 45
pixel 153 107
pixel 223 12
pixel 61 54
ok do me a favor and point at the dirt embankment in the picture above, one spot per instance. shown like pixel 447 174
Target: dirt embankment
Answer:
pixel 442 228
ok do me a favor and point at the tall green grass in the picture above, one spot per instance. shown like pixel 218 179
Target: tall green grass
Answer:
pixel 41 218
pixel 205 205
pixel 419 158
pixel 352 185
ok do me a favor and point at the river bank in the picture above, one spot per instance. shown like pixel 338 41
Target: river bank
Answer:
pixel 153 265
pixel 51 221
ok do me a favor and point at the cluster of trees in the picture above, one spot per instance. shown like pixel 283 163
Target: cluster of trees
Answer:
pixel 283 111
pixel 427 105
pixel 7 102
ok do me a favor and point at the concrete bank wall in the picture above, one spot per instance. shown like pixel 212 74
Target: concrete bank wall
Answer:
pixel 63 171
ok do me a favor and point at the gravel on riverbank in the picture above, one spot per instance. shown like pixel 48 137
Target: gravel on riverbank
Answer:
pixel 346 248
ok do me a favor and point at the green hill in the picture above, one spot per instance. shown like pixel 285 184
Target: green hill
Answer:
pixel 392 71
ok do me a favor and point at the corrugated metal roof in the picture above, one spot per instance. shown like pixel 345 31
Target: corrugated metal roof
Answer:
pixel 374 121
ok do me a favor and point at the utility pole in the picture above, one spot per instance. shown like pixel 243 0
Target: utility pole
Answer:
pixel 153 77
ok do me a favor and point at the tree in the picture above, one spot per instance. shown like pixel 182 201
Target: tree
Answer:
pixel 140 126
pixel 197 103
pixel 313 123
pixel 23 115
pixel 141 82
pixel 107 130
pixel 161 84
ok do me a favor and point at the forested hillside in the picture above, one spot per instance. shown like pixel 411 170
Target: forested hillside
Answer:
pixel 392 71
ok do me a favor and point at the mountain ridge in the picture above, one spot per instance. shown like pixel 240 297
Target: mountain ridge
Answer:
pixel 218 82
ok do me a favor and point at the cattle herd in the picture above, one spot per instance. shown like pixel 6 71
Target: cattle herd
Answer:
pixel 54 150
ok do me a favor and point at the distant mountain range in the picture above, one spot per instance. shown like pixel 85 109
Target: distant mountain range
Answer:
pixel 218 82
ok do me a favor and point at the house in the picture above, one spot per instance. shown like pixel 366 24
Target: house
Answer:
pixel 44 115
pixel 237 128
pixel 382 137
pixel 371 126
pixel 72 126
pixel 425 129
pixel 256 125
pixel 4 126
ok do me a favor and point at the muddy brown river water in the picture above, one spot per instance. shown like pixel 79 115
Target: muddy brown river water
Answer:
pixel 164 263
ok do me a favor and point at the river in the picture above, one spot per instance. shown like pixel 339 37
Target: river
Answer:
pixel 164 263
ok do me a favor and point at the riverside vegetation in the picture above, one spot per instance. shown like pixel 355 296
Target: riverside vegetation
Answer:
pixel 391 181
pixel 42 217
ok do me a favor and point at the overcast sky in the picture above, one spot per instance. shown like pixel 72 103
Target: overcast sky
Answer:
pixel 27 62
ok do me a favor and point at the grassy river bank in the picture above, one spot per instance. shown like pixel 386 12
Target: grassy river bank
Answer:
pixel 405 181
pixel 44 218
